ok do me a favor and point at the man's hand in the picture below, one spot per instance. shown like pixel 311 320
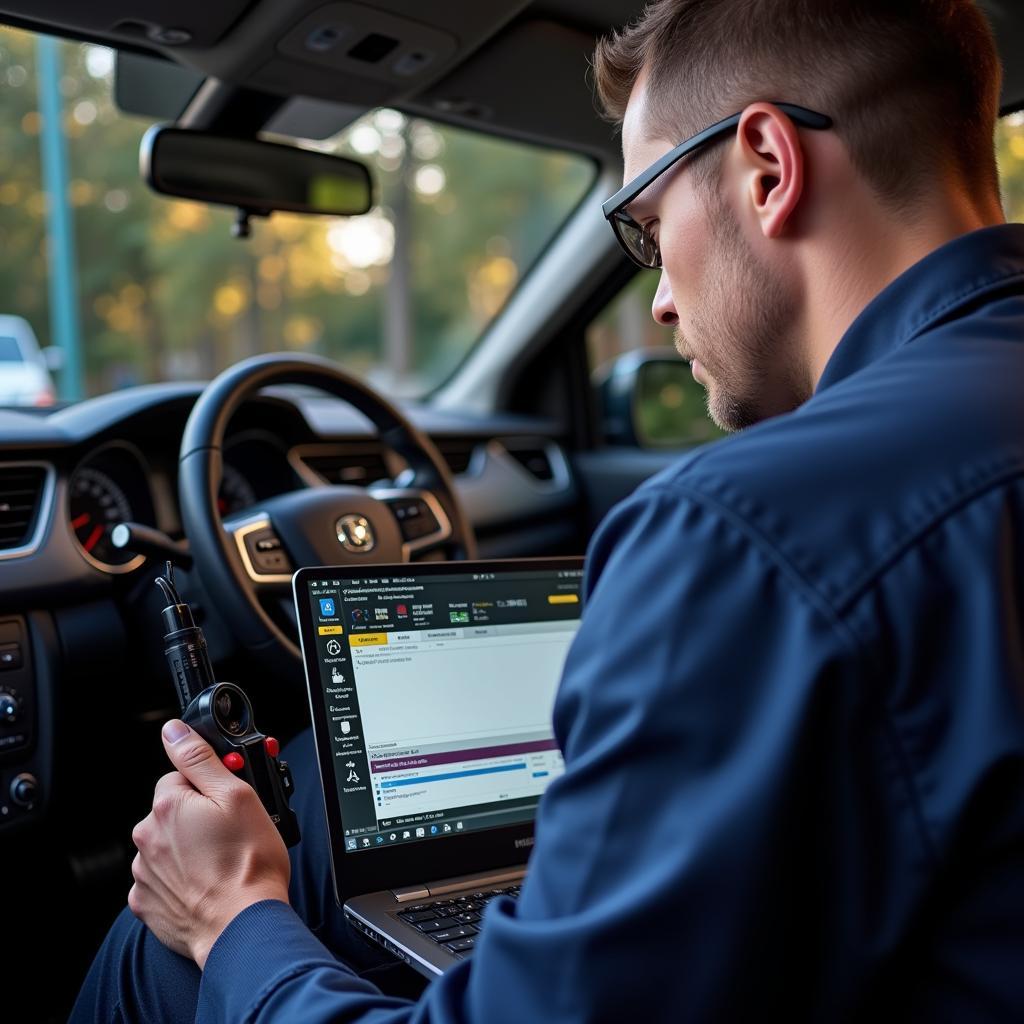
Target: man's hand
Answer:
pixel 207 850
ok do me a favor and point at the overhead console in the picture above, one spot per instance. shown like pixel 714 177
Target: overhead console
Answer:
pixel 358 40
pixel 450 59
pixel 368 53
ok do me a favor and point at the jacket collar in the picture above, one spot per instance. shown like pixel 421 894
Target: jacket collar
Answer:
pixel 935 289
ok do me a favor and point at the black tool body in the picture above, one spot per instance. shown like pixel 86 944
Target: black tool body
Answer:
pixel 222 714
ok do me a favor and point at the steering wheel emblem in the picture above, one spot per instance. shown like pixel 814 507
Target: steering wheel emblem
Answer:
pixel 355 533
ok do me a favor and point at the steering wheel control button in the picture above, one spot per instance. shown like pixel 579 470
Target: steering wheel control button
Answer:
pixel 266 552
pixel 235 762
pixel 415 519
pixel 10 656
pixel 272 564
pixel 273 747
pixel 355 534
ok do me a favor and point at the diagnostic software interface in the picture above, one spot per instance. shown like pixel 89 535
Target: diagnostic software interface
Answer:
pixel 439 692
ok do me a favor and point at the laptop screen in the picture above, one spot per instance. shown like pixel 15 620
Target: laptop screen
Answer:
pixel 438 689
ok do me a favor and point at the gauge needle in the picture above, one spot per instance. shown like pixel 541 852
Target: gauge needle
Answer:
pixel 79 521
pixel 93 539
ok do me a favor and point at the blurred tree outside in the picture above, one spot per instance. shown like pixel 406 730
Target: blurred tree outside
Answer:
pixel 166 292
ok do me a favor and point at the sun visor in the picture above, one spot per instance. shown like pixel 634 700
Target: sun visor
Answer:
pixel 153 88
pixel 149 23
pixel 551 100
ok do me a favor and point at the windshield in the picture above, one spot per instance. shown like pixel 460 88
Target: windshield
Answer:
pixel 136 288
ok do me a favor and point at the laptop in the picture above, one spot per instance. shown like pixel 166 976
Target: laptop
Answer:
pixel 431 688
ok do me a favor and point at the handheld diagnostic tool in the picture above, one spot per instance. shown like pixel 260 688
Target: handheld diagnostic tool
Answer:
pixel 222 714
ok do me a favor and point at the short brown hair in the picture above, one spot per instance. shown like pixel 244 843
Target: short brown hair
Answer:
pixel 912 85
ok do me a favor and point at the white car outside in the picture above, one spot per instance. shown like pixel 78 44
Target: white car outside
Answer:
pixel 24 370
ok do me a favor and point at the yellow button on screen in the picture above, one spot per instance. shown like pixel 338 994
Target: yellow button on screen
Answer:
pixel 329 630
pixel 563 598
pixel 367 639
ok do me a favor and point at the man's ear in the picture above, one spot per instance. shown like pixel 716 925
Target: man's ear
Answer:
pixel 773 166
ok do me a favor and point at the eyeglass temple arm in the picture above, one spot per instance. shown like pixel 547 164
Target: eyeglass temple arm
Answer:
pixel 800 115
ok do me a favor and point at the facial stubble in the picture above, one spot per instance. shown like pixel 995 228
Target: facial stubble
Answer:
pixel 741 331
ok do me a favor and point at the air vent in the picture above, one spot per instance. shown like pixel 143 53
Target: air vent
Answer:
pixel 20 490
pixel 354 465
pixel 457 453
pixel 533 458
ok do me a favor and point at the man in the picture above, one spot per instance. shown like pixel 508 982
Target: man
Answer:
pixel 793 717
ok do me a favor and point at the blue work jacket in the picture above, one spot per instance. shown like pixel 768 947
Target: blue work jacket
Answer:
pixel 792 718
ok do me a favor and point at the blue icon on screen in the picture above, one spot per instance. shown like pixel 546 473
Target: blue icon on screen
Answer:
pixel 380 839
pixel 433 830
pixel 326 605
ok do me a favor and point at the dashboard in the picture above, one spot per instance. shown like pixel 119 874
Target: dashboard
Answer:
pixel 117 482
pixel 114 459
pixel 79 617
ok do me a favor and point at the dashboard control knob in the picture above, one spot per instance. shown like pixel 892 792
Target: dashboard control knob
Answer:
pixel 9 707
pixel 24 789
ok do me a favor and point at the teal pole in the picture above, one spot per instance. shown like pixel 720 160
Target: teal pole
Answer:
pixel 60 226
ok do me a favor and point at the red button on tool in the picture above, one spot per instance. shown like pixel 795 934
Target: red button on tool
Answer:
pixel 234 761
pixel 273 747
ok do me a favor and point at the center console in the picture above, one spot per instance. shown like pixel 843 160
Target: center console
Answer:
pixel 25 739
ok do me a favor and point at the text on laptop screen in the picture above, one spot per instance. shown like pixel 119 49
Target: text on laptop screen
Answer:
pixel 439 692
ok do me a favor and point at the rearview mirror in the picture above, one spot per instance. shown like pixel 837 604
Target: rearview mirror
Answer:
pixel 255 176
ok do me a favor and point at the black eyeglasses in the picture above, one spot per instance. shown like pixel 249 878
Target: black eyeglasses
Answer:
pixel 637 241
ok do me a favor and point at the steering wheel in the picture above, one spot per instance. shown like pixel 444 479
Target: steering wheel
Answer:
pixel 249 558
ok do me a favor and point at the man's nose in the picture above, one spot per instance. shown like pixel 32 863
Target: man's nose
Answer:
pixel 663 309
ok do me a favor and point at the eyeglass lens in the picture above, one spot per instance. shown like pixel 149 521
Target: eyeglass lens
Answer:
pixel 638 242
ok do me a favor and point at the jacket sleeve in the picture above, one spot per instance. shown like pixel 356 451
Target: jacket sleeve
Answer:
pixel 719 844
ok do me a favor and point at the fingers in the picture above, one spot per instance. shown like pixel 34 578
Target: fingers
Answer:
pixel 150 884
pixel 136 902
pixel 170 788
pixel 157 908
pixel 139 896
pixel 197 761
pixel 140 834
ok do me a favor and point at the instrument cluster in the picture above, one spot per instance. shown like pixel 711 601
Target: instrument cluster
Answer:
pixel 117 483
pixel 110 486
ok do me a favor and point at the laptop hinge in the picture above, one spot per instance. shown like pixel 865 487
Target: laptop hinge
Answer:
pixel 446 885
pixel 410 892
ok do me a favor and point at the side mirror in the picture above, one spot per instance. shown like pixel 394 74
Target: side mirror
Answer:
pixel 255 176
pixel 649 398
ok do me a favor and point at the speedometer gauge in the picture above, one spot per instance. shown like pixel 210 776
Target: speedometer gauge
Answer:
pixel 96 506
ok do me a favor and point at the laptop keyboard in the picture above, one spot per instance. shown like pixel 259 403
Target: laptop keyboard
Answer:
pixel 454 923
